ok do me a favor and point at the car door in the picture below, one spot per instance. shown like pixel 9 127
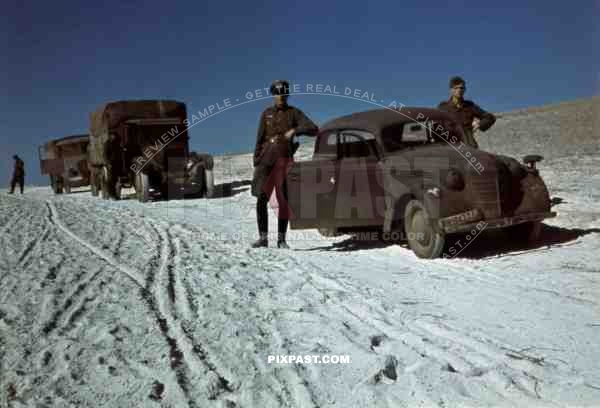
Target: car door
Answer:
pixel 359 199
pixel 412 162
pixel 311 185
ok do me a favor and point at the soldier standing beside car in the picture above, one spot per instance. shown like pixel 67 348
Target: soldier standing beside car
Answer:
pixel 472 117
pixel 18 175
pixel 278 125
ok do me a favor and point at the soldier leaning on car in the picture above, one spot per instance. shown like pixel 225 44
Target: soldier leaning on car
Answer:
pixel 472 117
pixel 278 125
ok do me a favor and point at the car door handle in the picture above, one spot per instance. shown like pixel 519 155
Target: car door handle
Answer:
pixel 332 180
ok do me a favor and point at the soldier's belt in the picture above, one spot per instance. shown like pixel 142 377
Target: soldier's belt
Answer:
pixel 275 139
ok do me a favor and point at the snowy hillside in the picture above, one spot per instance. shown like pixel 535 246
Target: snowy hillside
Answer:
pixel 163 304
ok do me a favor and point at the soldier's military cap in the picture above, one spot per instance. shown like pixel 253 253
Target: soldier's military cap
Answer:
pixel 456 80
pixel 280 87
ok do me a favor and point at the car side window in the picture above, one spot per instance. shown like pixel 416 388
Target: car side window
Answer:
pixel 414 132
pixel 358 143
pixel 327 144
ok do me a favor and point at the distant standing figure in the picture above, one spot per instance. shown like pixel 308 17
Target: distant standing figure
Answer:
pixel 278 125
pixel 472 117
pixel 18 175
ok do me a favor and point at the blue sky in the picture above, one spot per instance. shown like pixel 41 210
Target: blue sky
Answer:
pixel 62 59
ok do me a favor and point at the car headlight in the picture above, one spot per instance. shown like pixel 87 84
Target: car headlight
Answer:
pixel 455 180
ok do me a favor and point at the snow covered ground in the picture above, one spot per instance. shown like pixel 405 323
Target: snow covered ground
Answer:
pixel 117 304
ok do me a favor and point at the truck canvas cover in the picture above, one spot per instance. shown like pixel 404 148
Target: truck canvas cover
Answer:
pixel 112 115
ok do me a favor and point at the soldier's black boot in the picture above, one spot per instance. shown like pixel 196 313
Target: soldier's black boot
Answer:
pixel 262 242
pixel 281 232
pixel 262 219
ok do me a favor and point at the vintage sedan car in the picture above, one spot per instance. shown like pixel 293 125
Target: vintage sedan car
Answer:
pixel 407 173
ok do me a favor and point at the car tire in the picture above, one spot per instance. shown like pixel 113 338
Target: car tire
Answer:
pixel 425 240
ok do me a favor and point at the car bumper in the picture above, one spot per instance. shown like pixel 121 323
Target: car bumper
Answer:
pixel 473 219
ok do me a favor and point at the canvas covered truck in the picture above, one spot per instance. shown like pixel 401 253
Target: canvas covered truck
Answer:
pixel 65 161
pixel 142 144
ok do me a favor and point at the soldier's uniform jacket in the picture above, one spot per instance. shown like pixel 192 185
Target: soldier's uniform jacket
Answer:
pixel 19 171
pixel 275 121
pixel 466 112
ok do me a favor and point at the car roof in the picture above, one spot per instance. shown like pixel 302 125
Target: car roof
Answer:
pixel 376 119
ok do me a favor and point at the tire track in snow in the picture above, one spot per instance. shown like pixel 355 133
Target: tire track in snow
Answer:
pixel 284 381
pixel 198 361
pixel 29 248
pixel 14 251
pixel 55 219
pixel 179 287
pixel 487 359
pixel 74 303
pixel 147 295
pixel 187 362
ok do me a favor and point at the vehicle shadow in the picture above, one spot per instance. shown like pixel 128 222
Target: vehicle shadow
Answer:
pixel 354 243
pixel 226 190
pixel 499 243
pixel 486 244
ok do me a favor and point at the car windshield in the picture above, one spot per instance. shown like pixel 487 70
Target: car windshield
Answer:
pixel 400 136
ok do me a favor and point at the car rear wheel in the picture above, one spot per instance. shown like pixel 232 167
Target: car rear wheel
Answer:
pixel 424 239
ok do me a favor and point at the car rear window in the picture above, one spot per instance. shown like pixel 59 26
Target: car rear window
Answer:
pixel 399 136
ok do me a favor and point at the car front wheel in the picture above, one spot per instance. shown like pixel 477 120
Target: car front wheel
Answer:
pixel 424 239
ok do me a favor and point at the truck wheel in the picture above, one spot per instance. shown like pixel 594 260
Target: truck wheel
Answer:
pixel 104 182
pixel 58 185
pixel 94 188
pixel 142 187
pixel 197 177
pixel 118 188
pixel 53 185
pixel 209 183
pixel 94 185
pixel 423 238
